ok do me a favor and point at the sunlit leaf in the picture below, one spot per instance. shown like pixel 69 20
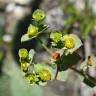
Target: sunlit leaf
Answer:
pixel 25 37
pixel 31 54
pixel 68 61
pixel 90 81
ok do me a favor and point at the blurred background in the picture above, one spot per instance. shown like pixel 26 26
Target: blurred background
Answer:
pixel 69 16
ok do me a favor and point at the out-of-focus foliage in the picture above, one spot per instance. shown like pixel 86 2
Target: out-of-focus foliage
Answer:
pixel 19 87
pixel 85 19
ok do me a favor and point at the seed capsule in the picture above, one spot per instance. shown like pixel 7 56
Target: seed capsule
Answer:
pixel 23 53
pixel 90 60
pixel 38 15
pixel 56 56
pixel 45 75
pixel 32 30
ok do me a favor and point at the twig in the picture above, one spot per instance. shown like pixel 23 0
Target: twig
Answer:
pixel 44 46
pixel 77 71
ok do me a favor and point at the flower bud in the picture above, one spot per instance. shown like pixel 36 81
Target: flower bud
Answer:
pixel 23 53
pixel 38 15
pixel 45 75
pixel 32 30
pixel 56 56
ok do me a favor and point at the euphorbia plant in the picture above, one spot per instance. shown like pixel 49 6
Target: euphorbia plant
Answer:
pixel 61 60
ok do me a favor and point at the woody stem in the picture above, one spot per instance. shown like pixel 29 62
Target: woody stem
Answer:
pixel 44 46
pixel 77 71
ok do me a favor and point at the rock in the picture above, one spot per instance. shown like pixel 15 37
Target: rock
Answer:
pixel 49 4
pixel 55 18
pixel 23 2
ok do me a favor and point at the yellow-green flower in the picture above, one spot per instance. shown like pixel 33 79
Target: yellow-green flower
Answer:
pixel 24 67
pixel 23 53
pixel 32 30
pixel 45 75
pixel 30 78
pixel 38 15
pixel 69 42
pixel 56 36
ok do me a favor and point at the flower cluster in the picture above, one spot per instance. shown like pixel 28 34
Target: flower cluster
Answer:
pixel 70 42
pixel 64 58
pixel 36 27
pixel 40 74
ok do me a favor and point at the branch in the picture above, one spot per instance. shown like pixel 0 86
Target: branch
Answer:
pixel 44 46
pixel 77 71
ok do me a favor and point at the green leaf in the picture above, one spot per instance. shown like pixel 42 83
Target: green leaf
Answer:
pixel 31 54
pixel 25 37
pixel 68 61
pixel 90 81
